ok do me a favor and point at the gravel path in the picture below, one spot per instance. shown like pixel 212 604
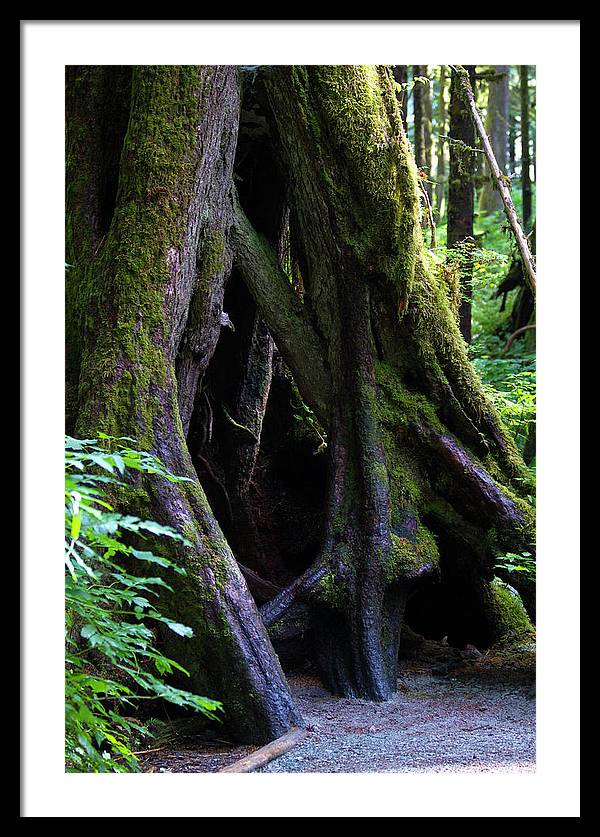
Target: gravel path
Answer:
pixel 434 724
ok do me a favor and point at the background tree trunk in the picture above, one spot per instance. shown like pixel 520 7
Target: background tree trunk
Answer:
pixel 440 174
pixel 525 149
pixel 418 136
pixel 422 123
pixel 145 295
pixel 512 141
pixel 496 125
pixel 461 194
pixel 401 76
pixel 428 134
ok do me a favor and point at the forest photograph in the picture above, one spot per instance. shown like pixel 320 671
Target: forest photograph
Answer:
pixel 300 453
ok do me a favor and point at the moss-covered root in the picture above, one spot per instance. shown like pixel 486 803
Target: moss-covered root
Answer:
pixel 512 622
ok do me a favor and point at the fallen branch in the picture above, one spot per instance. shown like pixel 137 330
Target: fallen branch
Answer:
pixel 259 758
pixel 512 337
pixel 273 610
pixel 499 177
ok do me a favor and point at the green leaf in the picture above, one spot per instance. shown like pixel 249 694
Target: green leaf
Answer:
pixel 178 628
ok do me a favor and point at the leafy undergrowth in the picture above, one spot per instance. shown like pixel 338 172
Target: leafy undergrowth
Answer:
pixel 508 376
pixel 111 660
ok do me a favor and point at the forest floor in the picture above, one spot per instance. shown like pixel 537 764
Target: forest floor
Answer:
pixel 472 716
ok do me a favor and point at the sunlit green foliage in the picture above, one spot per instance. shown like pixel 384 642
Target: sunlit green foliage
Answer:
pixel 523 563
pixel 112 661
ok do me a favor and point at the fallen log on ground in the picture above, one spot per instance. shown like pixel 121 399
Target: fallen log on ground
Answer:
pixel 261 757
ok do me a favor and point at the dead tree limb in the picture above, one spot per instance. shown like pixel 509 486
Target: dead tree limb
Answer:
pixel 512 337
pixel 500 178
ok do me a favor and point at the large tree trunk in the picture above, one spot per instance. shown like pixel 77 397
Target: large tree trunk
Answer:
pixel 149 169
pixel 496 125
pixel 461 192
pixel 423 481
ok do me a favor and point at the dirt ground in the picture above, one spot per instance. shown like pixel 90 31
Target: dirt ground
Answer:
pixel 477 716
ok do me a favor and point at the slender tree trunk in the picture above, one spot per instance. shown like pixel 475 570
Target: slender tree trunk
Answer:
pixel 512 141
pixel 422 123
pixel 496 125
pixel 428 134
pixel 418 116
pixel 440 174
pixel 461 192
pixel 150 256
pixel 525 149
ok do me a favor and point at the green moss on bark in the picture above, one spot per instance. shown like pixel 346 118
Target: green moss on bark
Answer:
pixel 512 619
pixel 406 559
pixel 123 293
pixel 332 591
pixel 351 117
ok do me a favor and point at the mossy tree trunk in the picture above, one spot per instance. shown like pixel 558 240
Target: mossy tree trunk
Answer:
pixel 461 192
pixel 150 155
pixel 423 481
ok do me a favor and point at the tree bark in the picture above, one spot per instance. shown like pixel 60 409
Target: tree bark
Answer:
pixel 422 123
pixel 440 174
pixel 146 300
pixel 496 125
pixel 525 150
pixel 461 193
pixel 408 426
pixel 401 76
pixel 423 481
pixel 512 141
